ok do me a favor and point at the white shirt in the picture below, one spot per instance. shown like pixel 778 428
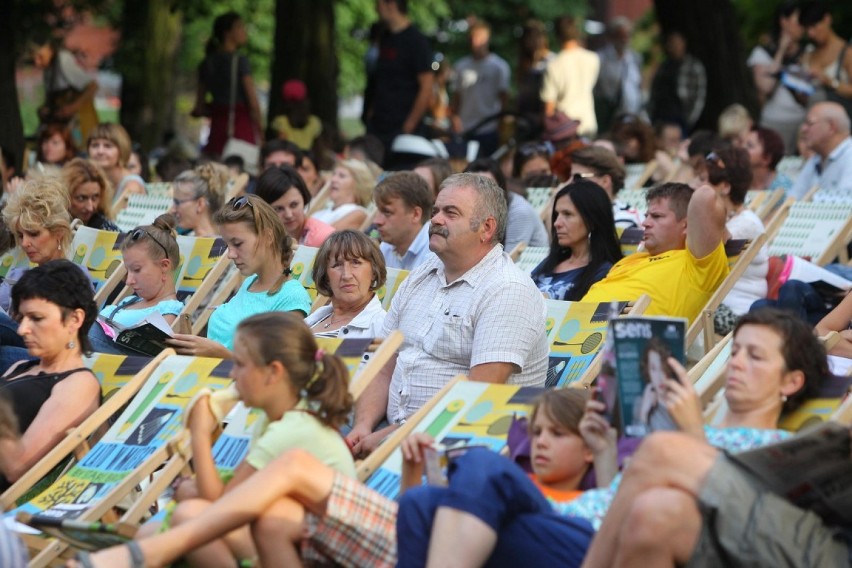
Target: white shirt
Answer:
pixel 752 285
pixel 368 323
pixel 833 174
pixel 568 82
pixel 493 313
pixel 331 216
pixel 417 253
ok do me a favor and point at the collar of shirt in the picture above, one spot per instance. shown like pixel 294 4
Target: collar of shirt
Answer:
pixel 476 274
pixel 417 245
pixel 835 154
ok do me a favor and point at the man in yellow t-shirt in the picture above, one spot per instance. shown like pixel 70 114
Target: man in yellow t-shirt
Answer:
pixel 684 259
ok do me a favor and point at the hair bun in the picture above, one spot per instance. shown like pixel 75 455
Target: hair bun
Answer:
pixel 166 222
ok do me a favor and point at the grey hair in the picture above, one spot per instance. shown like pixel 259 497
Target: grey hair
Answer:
pixel 490 201
pixel 836 114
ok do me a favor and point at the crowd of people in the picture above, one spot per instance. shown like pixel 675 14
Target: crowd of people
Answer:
pixel 464 308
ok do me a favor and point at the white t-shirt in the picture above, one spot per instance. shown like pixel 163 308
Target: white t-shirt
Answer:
pixel 568 81
pixel 752 284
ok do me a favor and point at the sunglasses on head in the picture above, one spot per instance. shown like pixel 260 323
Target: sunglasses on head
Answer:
pixel 714 158
pixel 585 175
pixel 238 203
pixel 139 233
pixel 531 149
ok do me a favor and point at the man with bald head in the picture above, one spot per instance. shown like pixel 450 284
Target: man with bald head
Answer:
pixel 826 132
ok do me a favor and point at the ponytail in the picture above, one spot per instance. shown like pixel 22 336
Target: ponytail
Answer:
pixel 327 392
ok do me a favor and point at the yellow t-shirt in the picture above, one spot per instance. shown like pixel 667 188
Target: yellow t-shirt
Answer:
pixel 678 283
pixel 302 137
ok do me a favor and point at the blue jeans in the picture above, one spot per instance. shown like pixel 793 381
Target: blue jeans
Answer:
pixel 799 298
pixel 499 493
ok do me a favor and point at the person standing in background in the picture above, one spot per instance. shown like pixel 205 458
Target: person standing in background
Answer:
pixel 233 110
pixel 402 82
pixel 619 87
pixel 570 78
pixel 480 90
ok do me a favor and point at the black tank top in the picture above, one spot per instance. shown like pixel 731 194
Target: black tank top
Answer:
pixel 28 394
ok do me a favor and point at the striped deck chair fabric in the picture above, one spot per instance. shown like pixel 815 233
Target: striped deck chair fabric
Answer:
pixel 790 166
pixel 630 239
pixel 634 198
pixel 139 441
pixel 531 257
pixel 13 258
pixel 575 333
pixel 302 266
pixel 98 251
pixel 832 196
pixel 142 210
pixel 468 413
pixel 159 189
pixel 395 277
pixel 198 256
pixel 539 198
pixel 818 231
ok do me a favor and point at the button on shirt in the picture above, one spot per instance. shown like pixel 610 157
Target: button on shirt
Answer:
pixel 833 173
pixel 493 313
pixel 416 254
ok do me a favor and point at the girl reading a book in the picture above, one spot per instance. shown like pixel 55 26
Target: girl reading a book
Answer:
pixel 261 249
pixel 151 256
pixel 304 398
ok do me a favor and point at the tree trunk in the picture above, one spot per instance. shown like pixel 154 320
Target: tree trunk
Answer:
pixel 713 36
pixel 304 49
pixel 148 63
pixel 11 126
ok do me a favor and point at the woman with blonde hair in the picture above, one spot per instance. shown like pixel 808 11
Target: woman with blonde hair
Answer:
pixel 261 249
pixel 350 192
pixel 198 194
pixel 89 193
pixel 109 147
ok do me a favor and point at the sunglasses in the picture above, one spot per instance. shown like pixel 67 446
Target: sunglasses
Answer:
pixel 238 203
pixel 714 158
pixel 532 148
pixel 139 233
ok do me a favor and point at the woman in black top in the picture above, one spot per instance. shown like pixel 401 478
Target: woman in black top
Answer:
pixel 55 308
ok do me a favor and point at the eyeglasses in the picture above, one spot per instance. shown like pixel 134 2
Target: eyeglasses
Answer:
pixel 714 158
pixel 238 203
pixel 179 202
pixel 139 233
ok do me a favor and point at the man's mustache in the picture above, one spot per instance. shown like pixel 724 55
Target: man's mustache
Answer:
pixel 433 230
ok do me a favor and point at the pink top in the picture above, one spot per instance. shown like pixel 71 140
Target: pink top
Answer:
pixel 315 232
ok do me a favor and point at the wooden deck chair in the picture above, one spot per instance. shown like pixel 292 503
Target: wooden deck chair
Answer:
pixel 121 377
pixel 754 197
pixel 630 239
pixel 204 261
pixel 146 434
pixel 13 258
pixel 236 187
pixel 769 204
pixel 160 188
pixel 515 253
pixel 362 358
pixel 540 199
pixel 836 197
pixel 588 376
pixel 142 210
pixel 320 200
pixel 100 253
pixel 790 166
pixel 302 266
pixel 531 257
pixel 395 277
pixel 740 255
pixel 227 287
pixel 819 231
pixel 636 175
pixel 462 413
pixel 634 198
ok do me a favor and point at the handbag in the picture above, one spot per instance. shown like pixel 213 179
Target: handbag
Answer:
pixel 250 153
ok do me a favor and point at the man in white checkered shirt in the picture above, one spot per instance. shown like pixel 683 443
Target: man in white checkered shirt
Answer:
pixel 468 310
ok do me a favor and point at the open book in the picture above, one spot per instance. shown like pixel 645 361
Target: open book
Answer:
pixel 147 337
pixel 813 470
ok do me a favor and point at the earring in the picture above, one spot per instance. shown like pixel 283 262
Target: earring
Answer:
pixel 783 398
pixel 71 345
pixel 59 247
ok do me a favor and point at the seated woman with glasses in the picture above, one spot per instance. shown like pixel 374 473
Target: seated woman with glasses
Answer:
pixel 583 245
pixel 198 194
pixel 151 256
pixel 261 250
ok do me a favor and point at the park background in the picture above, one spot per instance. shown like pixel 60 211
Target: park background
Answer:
pixel 147 51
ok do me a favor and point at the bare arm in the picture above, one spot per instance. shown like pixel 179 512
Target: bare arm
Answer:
pixel 838 320
pixel 72 400
pixel 497 373
pixel 421 103
pixel 549 108
pixel 705 225
pixel 372 405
